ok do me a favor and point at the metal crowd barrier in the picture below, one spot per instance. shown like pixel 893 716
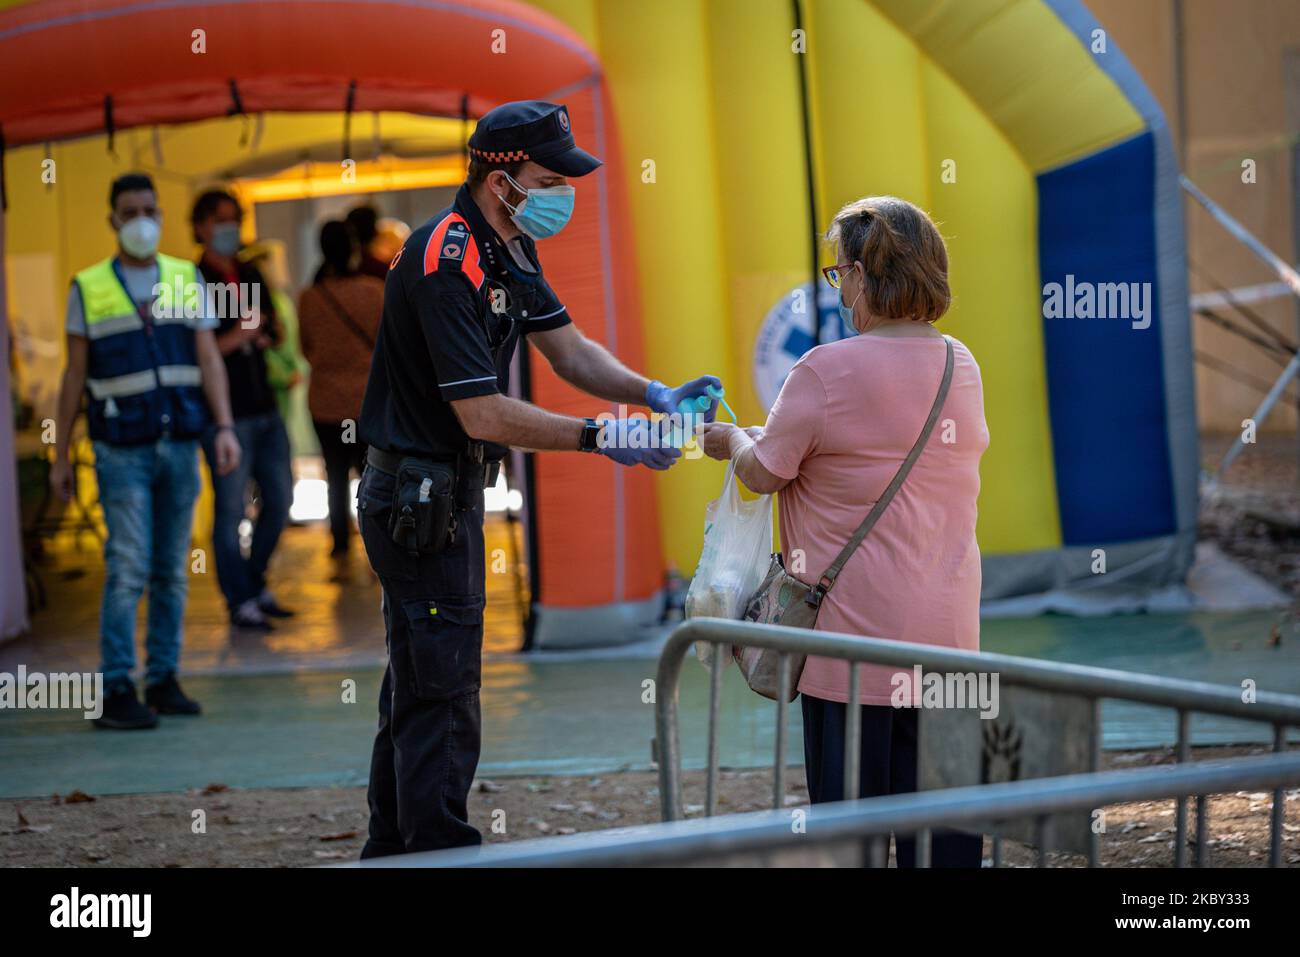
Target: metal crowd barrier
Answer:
pixel 1281 711
pixel 864 825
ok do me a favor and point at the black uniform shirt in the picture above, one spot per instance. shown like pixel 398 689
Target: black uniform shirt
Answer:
pixel 456 301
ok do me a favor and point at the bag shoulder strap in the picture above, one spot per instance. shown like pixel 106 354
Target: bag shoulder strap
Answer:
pixel 827 581
pixel 353 326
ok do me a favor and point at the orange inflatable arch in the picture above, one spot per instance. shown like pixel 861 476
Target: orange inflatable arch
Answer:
pixel 86 67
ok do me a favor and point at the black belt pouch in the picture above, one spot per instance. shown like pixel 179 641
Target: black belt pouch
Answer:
pixel 423 520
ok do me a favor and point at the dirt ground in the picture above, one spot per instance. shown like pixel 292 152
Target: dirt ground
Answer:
pixel 305 827
pixel 1254 514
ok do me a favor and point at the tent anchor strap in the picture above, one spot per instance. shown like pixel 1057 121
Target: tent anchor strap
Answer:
pixel 237 109
pixel 109 127
pixel 347 119
pixel 464 127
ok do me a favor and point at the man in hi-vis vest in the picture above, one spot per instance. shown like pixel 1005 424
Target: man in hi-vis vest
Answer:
pixel 140 345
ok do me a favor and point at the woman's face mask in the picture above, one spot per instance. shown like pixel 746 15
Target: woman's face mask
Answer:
pixel 846 312
pixel 225 239
pixel 542 212
pixel 139 236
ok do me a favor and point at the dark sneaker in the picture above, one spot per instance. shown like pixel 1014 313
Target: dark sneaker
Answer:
pixel 124 712
pixel 267 605
pixel 249 616
pixel 166 697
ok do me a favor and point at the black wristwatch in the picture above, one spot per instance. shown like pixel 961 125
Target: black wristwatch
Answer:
pixel 590 433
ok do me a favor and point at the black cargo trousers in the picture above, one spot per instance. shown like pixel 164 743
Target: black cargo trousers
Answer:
pixel 427 747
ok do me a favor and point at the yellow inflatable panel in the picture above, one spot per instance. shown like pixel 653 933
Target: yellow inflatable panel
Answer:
pixel 658 60
pixel 868 113
pixel 717 109
pixel 579 15
pixel 993 271
pixel 765 221
pixel 1050 67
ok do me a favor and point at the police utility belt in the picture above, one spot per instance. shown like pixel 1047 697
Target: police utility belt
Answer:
pixel 429 492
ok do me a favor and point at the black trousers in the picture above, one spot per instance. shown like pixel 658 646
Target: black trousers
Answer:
pixel 427 746
pixel 887 765
pixel 341 458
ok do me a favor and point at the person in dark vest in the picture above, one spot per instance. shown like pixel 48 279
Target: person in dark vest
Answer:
pixel 247 327
pixel 141 347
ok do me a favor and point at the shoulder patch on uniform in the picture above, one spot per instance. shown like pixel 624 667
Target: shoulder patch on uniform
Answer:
pixel 454 242
pixel 452 246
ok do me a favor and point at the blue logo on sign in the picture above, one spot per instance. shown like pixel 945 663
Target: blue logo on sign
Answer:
pixel 787 334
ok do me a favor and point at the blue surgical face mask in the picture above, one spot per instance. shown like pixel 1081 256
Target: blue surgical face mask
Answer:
pixel 225 239
pixel 846 312
pixel 542 212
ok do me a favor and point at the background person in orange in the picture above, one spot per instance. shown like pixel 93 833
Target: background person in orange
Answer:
pixel 338 318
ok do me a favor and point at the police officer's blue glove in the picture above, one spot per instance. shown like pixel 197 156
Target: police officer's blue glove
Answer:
pixel 637 441
pixel 663 399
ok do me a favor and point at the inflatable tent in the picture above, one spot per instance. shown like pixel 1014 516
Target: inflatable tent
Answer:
pixel 1033 142
pixel 732 130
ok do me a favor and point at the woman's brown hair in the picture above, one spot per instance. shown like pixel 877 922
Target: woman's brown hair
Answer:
pixel 904 261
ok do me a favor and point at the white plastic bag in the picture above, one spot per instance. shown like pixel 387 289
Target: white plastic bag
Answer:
pixel 737 550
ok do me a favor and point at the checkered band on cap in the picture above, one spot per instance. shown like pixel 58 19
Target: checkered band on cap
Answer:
pixel 510 156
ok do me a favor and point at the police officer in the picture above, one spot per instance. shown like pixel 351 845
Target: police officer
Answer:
pixel 459 294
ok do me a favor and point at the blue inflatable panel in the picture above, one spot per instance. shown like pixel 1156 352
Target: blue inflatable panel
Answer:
pixel 1105 380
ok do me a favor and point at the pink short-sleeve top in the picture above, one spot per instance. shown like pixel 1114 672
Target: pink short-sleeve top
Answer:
pixel 844 422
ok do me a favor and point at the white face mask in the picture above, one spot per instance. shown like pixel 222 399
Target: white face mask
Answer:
pixel 139 236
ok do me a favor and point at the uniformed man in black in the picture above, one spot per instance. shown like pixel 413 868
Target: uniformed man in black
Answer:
pixel 459 294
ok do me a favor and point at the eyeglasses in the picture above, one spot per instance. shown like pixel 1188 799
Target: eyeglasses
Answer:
pixel 835 274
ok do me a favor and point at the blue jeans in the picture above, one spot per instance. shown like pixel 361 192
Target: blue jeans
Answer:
pixel 147 493
pixel 264 459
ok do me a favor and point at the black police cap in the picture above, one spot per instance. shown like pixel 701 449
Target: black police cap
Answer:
pixel 531 130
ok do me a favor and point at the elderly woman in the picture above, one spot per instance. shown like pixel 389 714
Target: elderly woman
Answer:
pixel 845 420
